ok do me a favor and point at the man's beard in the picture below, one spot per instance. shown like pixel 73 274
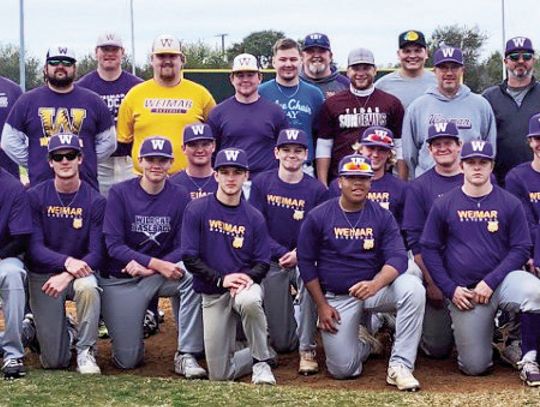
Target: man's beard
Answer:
pixel 64 82
pixel 526 74
pixel 316 68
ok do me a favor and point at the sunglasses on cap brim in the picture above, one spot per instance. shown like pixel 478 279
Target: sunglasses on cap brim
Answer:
pixel 64 62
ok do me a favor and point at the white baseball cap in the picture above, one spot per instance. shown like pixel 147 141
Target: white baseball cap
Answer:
pixel 166 44
pixel 110 39
pixel 245 63
pixel 60 52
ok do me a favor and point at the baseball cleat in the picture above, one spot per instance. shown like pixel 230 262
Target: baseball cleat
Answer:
pixel 365 337
pixel 529 373
pixel 308 363
pixel 103 332
pixel 187 366
pixel 29 337
pixel 150 324
pixel 400 376
pixel 86 362
pixel 262 374
pixel 13 369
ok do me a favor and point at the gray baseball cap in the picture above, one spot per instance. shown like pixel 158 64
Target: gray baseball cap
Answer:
pixel 360 56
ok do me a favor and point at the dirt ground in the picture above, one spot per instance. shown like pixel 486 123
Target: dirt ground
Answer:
pixel 434 375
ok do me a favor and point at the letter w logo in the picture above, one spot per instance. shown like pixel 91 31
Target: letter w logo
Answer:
pixel 65 138
pixel 357 160
pixel 381 133
pixel 245 61
pixel 518 41
pixel 158 144
pixel 292 134
pixel 62 50
pixel 231 155
pixel 166 42
pixel 441 126
pixel 198 129
pixel 448 52
pixel 478 145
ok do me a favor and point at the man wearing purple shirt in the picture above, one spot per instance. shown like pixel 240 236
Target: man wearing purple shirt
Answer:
pixel 58 107
pixel 474 243
pixel 225 245
pixel 64 255
pixel 284 197
pixel 111 83
pixel 198 145
pixel 9 93
pixel 142 233
pixel 352 259
pixel 247 120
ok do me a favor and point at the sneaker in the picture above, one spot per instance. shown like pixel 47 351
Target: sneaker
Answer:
pixel 29 337
pixel 529 373
pixel 13 369
pixel 365 337
pixel 400 376
pixel 262 374
pixel 510 353
pixel 72 331
pixel 150 324
pixel 187 366
pixel 308 362
pixel 86 362
pixel 161 315
pixel 103 332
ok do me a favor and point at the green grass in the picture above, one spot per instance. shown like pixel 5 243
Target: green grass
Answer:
pixel 42 388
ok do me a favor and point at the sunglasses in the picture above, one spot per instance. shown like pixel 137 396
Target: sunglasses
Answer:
pixel 65 62
pixel 58 157
pixel 527 56
pixel 351 166
pixel 379 138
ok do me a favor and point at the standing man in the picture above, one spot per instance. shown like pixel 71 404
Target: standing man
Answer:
pixel 347 114
pixel 449 101
pixel 474 243
pixel 225 246
pixel 318 68
pixel 9 93
pixel 299 100
pixel 284 197
pixel 164 104
pixel 65 253
pixel 246 120
pixel 60 106
pixel 514 101
pixel 111 83
pixel 352 260
pixel 142 229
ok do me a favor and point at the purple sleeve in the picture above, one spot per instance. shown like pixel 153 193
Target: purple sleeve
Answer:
pixel 413 218
pixel 20 218
pixel 392 245
pixel 515 186
pixel 94 257
pixel 113 227
pixel 308 248
pixel 105 120
pixel 191 231
pixel 214 125
pixel 537 247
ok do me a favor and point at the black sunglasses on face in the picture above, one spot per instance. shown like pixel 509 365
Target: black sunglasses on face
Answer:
pixel 65 62
pixel 527 56
pixel 58 157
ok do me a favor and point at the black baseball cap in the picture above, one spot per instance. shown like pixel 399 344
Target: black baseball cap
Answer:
pixel 412 37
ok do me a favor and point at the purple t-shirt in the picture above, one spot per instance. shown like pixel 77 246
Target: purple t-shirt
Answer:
pixel 285 206
pixel 15 215
pixel 112 93
pixel 227 239
pixel 342 248
pixel 42 113
pixel 253 127
pixel 9 93
pixel 139 226
pixel 467 240
pixel 524 182
pixel 65 225
pixel 197 187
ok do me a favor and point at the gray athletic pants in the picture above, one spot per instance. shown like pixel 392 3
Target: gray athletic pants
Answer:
pixel 125 302
pixel 12 276
pixel 220 316
pixel 50 317
pixel 307 317
pixel 345 354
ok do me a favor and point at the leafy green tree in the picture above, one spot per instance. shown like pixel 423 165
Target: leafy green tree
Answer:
pixel 258 43
pixel 9 66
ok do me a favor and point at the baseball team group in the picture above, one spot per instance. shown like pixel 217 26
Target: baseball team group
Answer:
pixel 313 205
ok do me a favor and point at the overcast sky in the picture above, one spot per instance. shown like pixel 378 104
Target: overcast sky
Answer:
pixel 350 24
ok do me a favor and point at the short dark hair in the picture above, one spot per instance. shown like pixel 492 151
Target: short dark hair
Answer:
pixel 284 44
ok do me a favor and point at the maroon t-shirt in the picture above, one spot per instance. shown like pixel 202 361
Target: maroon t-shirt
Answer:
pixel 344 117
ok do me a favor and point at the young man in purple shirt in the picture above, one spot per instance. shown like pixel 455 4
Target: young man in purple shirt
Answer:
pixel 284 197
pixel 474 243
pixel 352 259
pixel 142 229
pixel 225 245
pixel 64 255
pixel 58 107
pixel 247 120
pixel 198 145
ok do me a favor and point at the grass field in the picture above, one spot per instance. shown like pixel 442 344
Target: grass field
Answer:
pixel 42 388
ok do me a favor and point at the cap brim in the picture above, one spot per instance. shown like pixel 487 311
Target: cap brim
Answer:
pixel 64 148
pixel 199 138
pixel 442 61
pixel 166 51
pixel 155 155
pixel 430 139
pixel 405 43
pixel 355 174
pixel 477 155
pixel 243 167
pixel 318 46
pixel 372 63
pixel 533 134
pixel 373 144
pixel 245 70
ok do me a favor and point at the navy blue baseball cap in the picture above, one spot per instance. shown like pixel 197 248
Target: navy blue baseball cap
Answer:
pixel 442 129
pixel 477 149
pixel 518 44
pixel 355 165
pixel 377 136
pixel 448 54
pixel 197 131
pixel 231 157
pixel 534 126
pixel 64 141
pixel 412 37
pixel 156 146
pixel 292 136
pixel 316 40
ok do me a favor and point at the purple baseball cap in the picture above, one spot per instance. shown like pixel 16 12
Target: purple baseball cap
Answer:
pixel 231 157
pixel 442 129
pixel 64 141
pixel 378 136
pixel 518 44
pixel 197 131
pixel 292 136
pixel 477 149
pixel 156 146
pixel 448 54
pixel 316 40
pixel 534 126
pixel 355 165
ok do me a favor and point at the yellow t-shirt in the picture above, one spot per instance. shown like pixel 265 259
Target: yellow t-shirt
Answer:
pixel 153 110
